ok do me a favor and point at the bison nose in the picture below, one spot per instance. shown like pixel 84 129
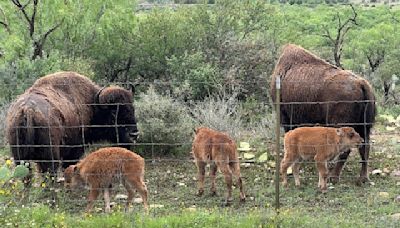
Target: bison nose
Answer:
pixel 134 136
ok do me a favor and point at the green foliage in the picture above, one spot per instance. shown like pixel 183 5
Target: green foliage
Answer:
pixel 229 42
pixel 19 171
pixel 162 122
pixel 192 78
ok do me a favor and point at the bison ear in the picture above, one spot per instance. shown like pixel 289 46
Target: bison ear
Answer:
pixel 132 88
pixel 75 169
pixel 339 131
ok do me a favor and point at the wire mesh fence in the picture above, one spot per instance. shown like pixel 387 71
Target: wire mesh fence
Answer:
pixel 171 175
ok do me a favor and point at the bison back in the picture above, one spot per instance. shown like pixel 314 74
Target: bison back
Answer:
pixel 314 91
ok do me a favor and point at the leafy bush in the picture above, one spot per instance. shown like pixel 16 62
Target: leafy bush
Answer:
pixel 21 74
pixel 192 77
pixel 165 125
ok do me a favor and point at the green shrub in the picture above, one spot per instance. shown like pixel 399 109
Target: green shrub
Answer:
pixel 192 77
pixel 165 125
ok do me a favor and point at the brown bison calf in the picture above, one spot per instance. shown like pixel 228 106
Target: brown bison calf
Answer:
pixel 105 166
pixel 218 149
pixel 320 143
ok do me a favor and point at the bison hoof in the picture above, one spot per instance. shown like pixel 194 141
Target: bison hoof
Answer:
pixel 362 180
pixel 334 179
pixel 227 203
pixel 213 193
pixel 242 200
pixel 200 193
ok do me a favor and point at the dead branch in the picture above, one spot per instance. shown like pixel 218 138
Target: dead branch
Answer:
pixel 30 19
pixel 342 29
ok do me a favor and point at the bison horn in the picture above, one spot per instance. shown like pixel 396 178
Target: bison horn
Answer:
pixel 132 87
pixel 97 96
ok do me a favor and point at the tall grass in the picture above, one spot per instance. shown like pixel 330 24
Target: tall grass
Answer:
pixel 3 114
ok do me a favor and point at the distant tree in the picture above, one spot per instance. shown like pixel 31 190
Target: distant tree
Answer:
pixel 31 18
pixel 335 32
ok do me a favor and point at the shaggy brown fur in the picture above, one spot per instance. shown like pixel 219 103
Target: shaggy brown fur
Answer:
pixel 307 78
pixel 49 122
pixel 217 148
pixel 319 143
pixel 102 168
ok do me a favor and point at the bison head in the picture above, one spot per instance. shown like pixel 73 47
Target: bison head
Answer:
pixel 72 177
pixel 114 117
pixel 349 137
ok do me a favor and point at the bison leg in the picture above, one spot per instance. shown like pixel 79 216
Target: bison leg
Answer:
pixel 285 164
pixel 213 173
pixel 93 194
pixel 201 171
pixel 364 153
pixel 224 167
pixel 131 194
pixel 107 200
pixel 140 186
pixel 296 173
pixel 323 171
pixel 235 167
pixel 334 174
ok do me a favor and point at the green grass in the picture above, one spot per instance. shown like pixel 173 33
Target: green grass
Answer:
pixel 172 188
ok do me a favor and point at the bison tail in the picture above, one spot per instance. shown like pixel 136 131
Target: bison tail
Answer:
pixel 21 134
pixel 368 107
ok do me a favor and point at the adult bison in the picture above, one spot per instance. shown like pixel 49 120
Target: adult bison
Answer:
pixel 53 120
pixel 334 97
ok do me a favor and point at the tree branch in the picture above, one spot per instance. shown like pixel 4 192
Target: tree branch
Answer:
pixel 5 22
pixel 30 20
pixel 342 29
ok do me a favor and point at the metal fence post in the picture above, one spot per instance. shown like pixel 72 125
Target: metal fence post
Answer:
pixel 277 142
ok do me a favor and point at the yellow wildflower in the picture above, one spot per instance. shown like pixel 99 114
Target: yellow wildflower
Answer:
pixel 8 162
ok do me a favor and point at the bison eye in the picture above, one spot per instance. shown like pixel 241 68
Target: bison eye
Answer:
pixel 351 134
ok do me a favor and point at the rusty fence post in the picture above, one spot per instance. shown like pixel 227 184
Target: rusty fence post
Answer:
pixel 277 141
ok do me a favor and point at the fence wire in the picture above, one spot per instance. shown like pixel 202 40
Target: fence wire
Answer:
pixel 172 178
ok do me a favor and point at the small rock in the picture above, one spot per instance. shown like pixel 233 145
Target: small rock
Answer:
pixel 396 173
pixel 156 206
pixel 263 158
pixel 397 199
pixel 192 208
pixel 376 172
pixel 121 197
pixel 248 156
pixel 181 184
pixel 138 200
pixel 395 216
pixel 246 165
pixel 60 179
pixel 386 170
pixel 383 194
pixel 289 171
